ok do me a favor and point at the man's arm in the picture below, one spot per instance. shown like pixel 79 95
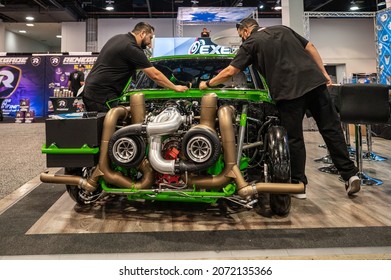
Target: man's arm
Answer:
pixel 223 76
pixel 313 52
pixel 162 80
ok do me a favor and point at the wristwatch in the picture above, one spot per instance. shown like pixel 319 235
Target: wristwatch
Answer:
pixel 207 84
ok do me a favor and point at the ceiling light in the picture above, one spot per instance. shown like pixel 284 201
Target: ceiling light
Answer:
pixel 354 6
pixel 30 24
pixel 30 18
pixel 2 5
pixel 22 31
pixel 195 3
pixel 277 7
pixel 382 3
pixel 58 36
pixel 109 6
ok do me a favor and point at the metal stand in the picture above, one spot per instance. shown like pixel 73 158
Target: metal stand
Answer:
pixel 331 169
pixel 370 155
pixel 326 159
pixel 365 179
pixel 351 150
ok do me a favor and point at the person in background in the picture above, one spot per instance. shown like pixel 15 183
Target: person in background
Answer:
pixel 76 79
pixel 297 81
pixel 118 60
pixel 205 32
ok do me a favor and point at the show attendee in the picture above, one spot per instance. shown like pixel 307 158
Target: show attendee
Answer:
pixel 118 60
pixel 205 32
pixel 76 79
pixel 297 81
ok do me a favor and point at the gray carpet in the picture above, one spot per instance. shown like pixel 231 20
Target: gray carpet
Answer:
pixel 20 154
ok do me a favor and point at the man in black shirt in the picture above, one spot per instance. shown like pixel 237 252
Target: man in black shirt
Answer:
pixel 297 82
pixel 118 60
pixel 76 79
pixel 205 32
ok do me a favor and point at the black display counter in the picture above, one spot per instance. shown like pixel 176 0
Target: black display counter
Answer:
pixel 63 105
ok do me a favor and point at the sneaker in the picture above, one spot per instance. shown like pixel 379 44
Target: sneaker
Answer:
pixel 299 195
pixel 353 185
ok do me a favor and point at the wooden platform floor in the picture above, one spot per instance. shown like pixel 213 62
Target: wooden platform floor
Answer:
pixel 327 206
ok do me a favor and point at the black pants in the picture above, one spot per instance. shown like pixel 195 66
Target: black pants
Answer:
pixel 92 106
pixel 322 109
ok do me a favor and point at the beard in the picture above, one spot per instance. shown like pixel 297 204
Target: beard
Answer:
pixel 144 45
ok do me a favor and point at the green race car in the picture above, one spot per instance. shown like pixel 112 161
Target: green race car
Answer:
pixel 221 145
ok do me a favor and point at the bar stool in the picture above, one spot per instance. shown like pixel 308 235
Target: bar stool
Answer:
pixel 363 104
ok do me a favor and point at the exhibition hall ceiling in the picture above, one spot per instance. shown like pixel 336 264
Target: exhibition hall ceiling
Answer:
pixel 51 13
pixel 75 10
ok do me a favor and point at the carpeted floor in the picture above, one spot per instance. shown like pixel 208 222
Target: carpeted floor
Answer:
pixel 20 153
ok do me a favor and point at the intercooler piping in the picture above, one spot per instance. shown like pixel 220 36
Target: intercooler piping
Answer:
pixel 168 122
pixel 165 123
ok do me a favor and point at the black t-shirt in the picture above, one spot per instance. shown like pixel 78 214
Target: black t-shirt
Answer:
pixel 76 78
pixel 118 60
pixel 278 53
pixel 205 34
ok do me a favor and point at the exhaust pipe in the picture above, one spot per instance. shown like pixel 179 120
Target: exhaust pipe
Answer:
pixel 232 171
pixel 247 191
pixel 137 108
pixel 208 110
pixel 91 183
pixel 103 168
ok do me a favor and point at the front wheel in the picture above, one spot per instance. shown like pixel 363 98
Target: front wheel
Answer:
pixel 278 161
pixel 79 195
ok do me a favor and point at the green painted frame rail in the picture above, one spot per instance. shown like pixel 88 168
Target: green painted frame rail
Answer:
pixel 54 150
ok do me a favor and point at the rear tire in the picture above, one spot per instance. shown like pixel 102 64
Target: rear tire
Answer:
pixel 79 195
pixel 279 168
